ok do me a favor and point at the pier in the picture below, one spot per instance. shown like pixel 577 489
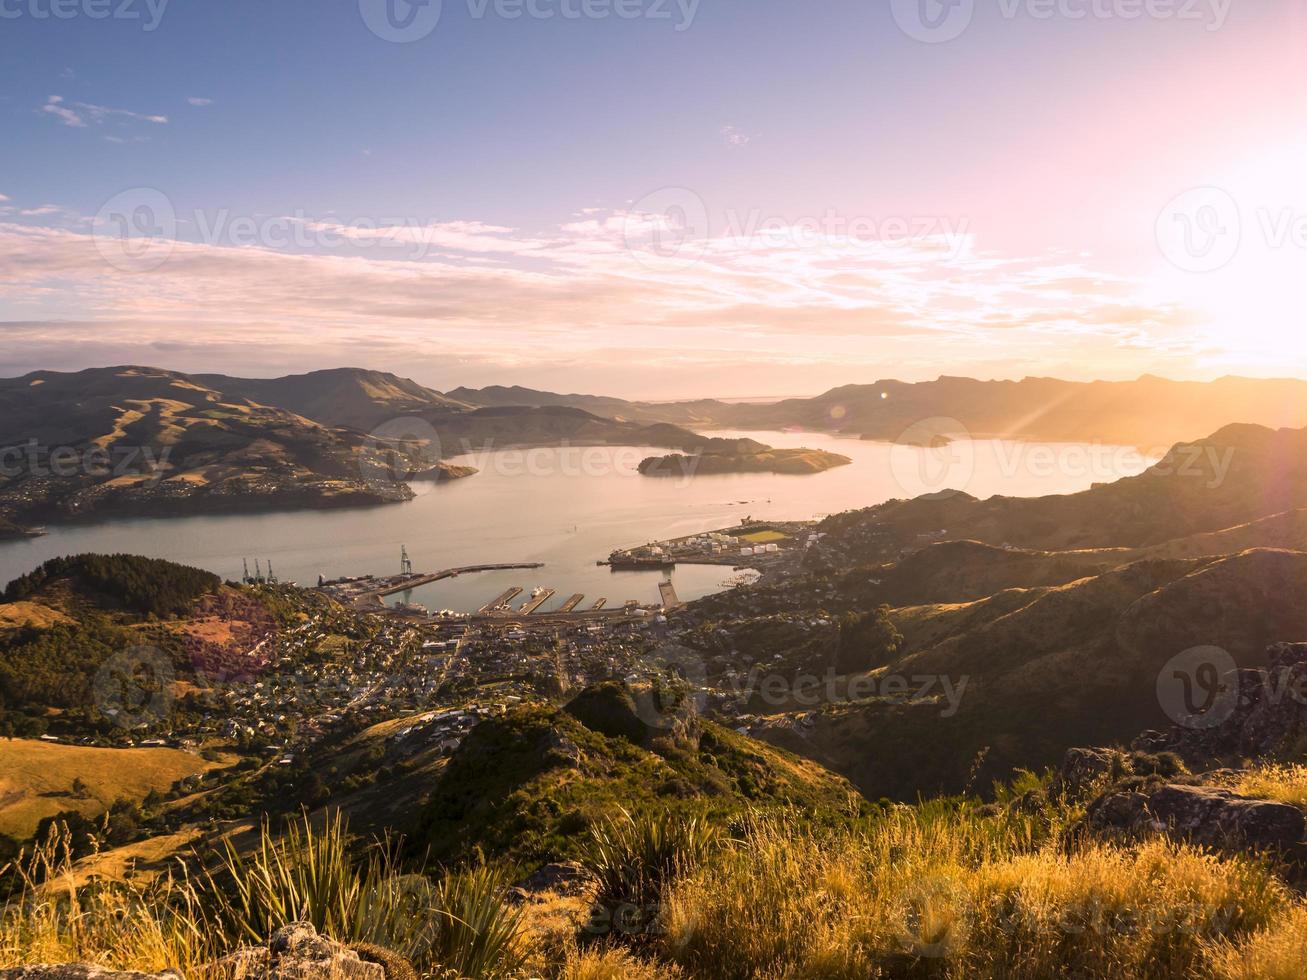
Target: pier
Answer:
pixel 536 601
pixel 501 602
pixel 573 601
pixel 599 604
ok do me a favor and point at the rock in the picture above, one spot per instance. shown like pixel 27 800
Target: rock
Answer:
pixel 297 952
pixel 1082 767
pixel 81 971
pixel 568 877
pixel 1269 716
pixel 1207 815
pixel 1217 817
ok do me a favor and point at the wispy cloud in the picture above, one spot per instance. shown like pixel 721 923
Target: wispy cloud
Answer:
pixel 54 106
pixel 77 114
pixel 734 136
pixel 825 301
pixel 199 102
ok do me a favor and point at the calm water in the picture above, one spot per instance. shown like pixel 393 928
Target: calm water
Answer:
pixel 568 507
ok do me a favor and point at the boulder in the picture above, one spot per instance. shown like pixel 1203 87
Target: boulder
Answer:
pixel 1207 815
pixel 297 952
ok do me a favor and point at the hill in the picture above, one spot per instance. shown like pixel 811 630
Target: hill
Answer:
pixel 137 440
pixel 354 398
pixel 1148 412
pixel 526 786
pixel 1237 475
pixel 36 779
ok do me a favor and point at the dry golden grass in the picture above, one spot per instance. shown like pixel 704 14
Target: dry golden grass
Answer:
pixel 1276 953
pixel 36 779
pixel 919 892
pixel 16 614
pixel 1288 784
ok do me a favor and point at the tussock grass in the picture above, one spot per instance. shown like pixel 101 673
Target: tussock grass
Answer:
pixel 1286 783
pixel 456 926
pixel 922 894
pixel 633 856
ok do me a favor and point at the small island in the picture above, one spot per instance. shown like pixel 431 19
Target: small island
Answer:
pixel 790 462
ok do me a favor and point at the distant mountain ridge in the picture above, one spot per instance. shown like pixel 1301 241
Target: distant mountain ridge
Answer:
pixel 1149 412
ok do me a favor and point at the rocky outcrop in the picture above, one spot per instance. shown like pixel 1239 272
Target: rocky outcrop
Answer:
pixel 297 952
pixel 81 971
pixel 1210 816
pixel 1268 718
pixel 568 878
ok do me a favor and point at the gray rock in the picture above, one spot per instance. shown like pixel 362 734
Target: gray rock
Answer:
pixel 1207 815
pixel 297 952
pixel 81 971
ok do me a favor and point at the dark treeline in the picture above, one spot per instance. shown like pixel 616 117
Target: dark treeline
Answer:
pixel 148 586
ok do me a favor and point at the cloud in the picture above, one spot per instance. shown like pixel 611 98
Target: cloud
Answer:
pixel 54 106
pixel 3 198
pixel 735 136
pixel 76 114
pixel 319 290
pixel 199 102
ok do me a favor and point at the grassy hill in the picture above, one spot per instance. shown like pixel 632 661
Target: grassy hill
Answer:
pixel 137 440
pixel 525 787
pixel 36 779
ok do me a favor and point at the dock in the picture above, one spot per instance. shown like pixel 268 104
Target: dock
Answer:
pixel 572 602
pixel 501 601
pixel 668 592
pixel 599 604
pixel 535 602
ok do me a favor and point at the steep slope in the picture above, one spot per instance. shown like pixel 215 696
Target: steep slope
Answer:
pixel 139 440
pixel 1239 474
pixel 1077 664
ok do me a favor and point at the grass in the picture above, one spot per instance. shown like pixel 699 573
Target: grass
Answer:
pixel 1285 783
pixel 924 892
pixel 942 889
pixel 456 925
pixel 36 779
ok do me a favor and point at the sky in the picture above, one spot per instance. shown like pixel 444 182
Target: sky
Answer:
pixel 655 198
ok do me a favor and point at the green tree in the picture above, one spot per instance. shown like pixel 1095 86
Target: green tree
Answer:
pixel 867 640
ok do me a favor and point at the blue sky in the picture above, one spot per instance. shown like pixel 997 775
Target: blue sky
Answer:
pixel 1039 148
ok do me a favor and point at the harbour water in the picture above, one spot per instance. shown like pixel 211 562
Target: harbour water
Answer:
pixel 570 506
